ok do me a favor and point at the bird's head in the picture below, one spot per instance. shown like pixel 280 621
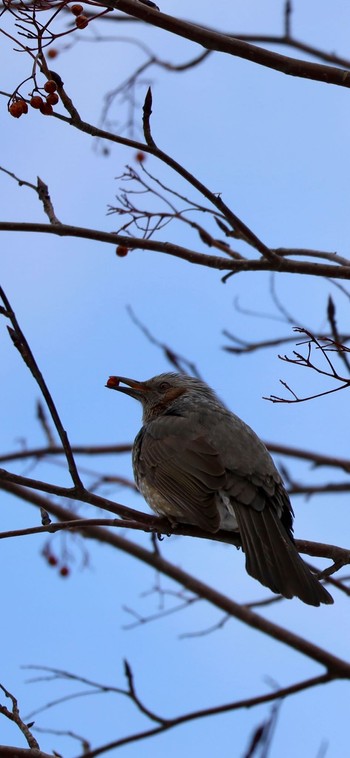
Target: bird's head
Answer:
pixel 160 394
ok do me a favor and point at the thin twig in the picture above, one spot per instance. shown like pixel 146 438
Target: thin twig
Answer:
pixel 22 346
pixel 42 418
pixel 41 452
pixel 337 339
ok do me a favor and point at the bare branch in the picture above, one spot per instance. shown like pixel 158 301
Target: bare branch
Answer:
pixel 262 735
pixel 41 452
pixel 141 620
pixel 44 196
pixel 14 716
pixel 306 361
pixel 41 190
pixel 142 522
pixel 336 337
pixel 22 752
pixel 191 256
pixel 22 346
pixel 165 724
pixel 147 110
pixel 318 459
pixel 205 713
pixel 41 416
pixel 178 361
pixel 224 43
pixel 334 665
pixel 287 19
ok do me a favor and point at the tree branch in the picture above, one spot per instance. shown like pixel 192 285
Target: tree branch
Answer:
pixel 335 666
pixel 205 712
pixel 191 256
pixel 14 716
pixel 224 43
pixel 27 356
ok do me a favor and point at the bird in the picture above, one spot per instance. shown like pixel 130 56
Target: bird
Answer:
pixel 197 463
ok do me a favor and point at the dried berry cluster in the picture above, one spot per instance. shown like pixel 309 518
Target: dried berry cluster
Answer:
pixel 63 570
pixel 19 106
pixel 51 99
pixel 81 21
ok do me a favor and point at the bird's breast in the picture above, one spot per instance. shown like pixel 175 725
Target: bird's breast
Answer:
pixel 156 501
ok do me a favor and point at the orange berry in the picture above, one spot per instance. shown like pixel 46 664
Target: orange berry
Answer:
pixel 36 101
pixel 52 53
pixel 52 99
pixel 81 22
pixel 50 86
pixel 24 106
pixel 77 10
pixel 140 157
pixel 46 109
pixel 122 251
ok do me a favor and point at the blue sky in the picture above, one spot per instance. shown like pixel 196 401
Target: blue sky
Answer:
pixel 276 147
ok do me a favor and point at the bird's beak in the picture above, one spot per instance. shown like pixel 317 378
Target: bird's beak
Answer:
pixel 134 389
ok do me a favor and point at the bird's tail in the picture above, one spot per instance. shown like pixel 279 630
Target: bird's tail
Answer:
pixel 272 558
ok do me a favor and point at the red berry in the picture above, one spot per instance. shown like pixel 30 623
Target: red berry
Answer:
pixel 36 101
pixel 113 382
pixel 64 571
pixel 24 106
pixel 81 22
pixel 52 53
pixel 50 86
pixel 77 9
pixel 52 560
pixel 122 251
pixel 46 109
pixel 140 157
pixel 52 99
pixel 16 108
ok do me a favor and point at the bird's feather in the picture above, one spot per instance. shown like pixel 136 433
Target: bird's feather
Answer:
pixel 185 472
pixel 272 558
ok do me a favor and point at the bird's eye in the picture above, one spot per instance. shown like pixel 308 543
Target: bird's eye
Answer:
pixel 164 386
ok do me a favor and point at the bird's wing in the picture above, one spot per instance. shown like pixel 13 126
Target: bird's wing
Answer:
pixel 183 469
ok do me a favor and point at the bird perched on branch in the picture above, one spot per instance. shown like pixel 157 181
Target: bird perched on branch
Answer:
pixel 196 463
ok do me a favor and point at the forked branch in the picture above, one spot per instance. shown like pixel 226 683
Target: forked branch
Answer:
pixel 322 364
